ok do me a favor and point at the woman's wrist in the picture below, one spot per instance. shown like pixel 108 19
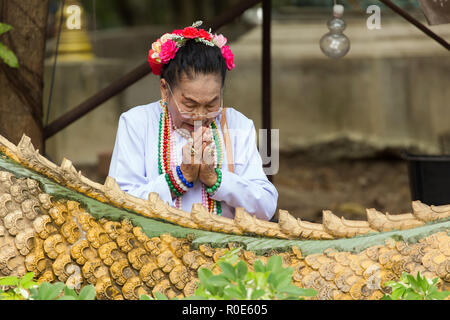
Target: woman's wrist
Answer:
pixel 186 174
pixel 211 189
pixel 185 180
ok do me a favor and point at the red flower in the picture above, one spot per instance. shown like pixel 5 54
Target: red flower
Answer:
pixel 190 33
pixel 204 34
pixel 155 65
pixel 178 32
pixel 229 57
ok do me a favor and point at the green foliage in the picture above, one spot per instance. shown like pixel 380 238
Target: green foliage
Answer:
pixel 20 288
pixel 27 289
pixel 419 288
pixel 236 282
pixel 5 53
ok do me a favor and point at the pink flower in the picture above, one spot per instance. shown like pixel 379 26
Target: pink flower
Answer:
pixel 229 57
pixel 219 40
pixel 168 50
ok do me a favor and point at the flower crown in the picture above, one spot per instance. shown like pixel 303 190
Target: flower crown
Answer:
pixel 164 49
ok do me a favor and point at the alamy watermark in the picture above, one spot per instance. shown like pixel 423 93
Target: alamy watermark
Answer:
pixel 374 20
pixel 74 17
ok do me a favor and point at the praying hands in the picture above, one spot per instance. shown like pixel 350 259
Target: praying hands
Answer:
pixel 198 158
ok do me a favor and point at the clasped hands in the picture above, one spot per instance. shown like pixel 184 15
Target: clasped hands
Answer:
pixel 198 158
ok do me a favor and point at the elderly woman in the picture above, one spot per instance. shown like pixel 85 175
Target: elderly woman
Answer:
pixel 187 147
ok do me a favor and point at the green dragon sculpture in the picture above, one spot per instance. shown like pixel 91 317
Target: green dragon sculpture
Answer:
pixel 65 227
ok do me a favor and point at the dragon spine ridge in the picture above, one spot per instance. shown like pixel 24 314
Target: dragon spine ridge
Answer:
pixel 60 241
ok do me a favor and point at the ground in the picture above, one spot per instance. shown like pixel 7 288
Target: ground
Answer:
pixel 346 187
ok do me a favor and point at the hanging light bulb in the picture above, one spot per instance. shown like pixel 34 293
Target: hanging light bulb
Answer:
pixel 335 43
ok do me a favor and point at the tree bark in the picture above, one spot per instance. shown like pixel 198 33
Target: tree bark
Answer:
pixel 21 89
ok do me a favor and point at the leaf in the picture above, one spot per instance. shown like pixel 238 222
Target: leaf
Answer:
pixel 4 27
pixel 9 281
pixel 258 293
pixel 70 292
pixel 10 295
pixel 241 270
pixel 279 280
pixel 259 266
pixel 439 295
pixel 48 291
pixel 398 293
pixel 261 279
pixel 228 270
pixel 194 298
pixel 291 290
pixel 160 296
pixel 296 291
pixel 87 293
pixel 8 56
pixel 411 295
pixel 233 293
pixel 231 256
pixel 413 282
pixel 204 274
pixel 390 283
pixel 283 280
pixel 242 289
pixel 145 297
pixel 308 292
pixel 423 283
pixel 28 284
pixel 26 278
pixel 434 281
pixel 67 298
pixel 274 264
pixel 22 292
pixel 386 297
pixel 272 279
pixel 219 281
pixel 43 291
pixel 34 293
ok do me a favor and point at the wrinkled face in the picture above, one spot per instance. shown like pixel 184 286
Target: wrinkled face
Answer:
pixel 200 95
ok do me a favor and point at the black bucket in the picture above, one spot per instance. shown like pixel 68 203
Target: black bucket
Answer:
pixel 429 178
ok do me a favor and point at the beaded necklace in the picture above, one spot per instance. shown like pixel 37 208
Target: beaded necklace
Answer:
pixel 167 160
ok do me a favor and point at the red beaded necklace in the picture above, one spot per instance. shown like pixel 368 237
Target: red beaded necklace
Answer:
pixel 167 161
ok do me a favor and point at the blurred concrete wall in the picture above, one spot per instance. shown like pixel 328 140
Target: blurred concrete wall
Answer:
pixel 390 91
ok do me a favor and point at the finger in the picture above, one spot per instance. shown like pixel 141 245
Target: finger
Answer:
pixel 208 155
pixel 198 141
pixel 188 157
pixel 208 135
pixel 187 154
pixel 205 144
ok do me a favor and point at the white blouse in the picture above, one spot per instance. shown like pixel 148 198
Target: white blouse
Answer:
pixel 134 164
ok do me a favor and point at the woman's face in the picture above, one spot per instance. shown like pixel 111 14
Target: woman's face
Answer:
pixel 201 94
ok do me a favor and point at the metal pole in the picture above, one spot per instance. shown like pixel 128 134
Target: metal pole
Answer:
pixel 415 22
pixel 130 78
pixel 266 74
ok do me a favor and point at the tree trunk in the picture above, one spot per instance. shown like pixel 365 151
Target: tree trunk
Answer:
pixel 21 89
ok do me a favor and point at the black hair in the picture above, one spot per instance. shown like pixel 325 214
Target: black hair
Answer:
pixel 193 58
